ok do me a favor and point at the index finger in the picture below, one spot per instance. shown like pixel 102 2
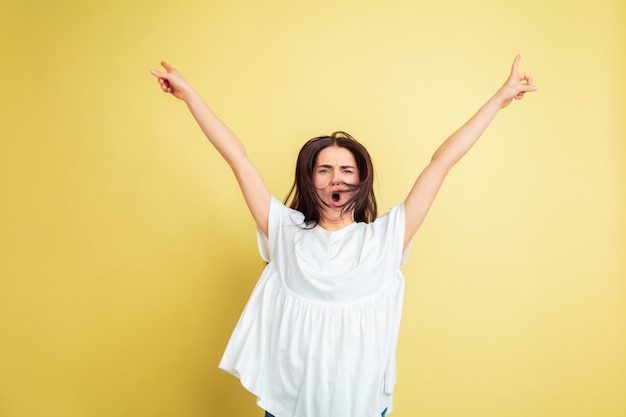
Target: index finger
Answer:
pixel 515 64
pixel 167 66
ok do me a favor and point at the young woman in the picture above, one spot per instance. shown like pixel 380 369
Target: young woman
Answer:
pixel 318 335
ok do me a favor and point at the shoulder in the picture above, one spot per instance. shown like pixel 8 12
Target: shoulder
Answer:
pixel 280 215
pixel 394 217
pixel 389 228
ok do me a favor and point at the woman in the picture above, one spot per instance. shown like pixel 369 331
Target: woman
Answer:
pixel 318 335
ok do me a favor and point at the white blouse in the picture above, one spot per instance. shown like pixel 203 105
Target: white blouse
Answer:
pixel 318 335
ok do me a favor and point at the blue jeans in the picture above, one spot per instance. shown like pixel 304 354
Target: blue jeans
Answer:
pixel 381 415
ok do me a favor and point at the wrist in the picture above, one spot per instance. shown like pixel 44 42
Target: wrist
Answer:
pixel 189 95
pixel 496 102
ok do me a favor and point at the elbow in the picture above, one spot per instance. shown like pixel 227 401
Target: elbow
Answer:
pixel 440 164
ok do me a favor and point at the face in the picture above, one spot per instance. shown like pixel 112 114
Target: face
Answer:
pixel 335 170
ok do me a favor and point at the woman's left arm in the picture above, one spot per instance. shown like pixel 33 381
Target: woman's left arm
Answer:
pixel 423 193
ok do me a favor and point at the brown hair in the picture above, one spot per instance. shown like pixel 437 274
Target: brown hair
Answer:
pixel 305 198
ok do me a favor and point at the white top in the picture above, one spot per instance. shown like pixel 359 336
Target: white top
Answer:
pixel 318 335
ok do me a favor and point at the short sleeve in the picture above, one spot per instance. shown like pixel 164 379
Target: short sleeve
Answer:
pixel 392 225
pixel 279 217
pixel 263 245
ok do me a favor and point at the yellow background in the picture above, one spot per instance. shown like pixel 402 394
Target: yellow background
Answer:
pixel 127 252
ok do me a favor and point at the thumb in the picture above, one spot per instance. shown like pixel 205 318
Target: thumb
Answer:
pixel 159 74
pixel 527 88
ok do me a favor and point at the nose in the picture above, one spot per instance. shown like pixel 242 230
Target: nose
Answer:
pixel 336 180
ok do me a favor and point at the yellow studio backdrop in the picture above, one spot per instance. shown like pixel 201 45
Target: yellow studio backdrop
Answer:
pixel 127 253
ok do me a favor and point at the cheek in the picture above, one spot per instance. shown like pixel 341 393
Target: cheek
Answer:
pixel 320 182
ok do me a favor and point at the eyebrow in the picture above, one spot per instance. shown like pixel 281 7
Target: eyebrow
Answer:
pixel 332 166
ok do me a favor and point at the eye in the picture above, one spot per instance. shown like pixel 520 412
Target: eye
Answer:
pixel 323 170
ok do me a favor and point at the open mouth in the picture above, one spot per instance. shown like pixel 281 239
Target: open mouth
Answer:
pixel 336 197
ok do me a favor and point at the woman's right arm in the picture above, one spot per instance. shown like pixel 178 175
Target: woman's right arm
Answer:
pixel 254 190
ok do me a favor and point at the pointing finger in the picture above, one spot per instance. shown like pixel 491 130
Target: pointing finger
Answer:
pixel 167 66
pixel 515 64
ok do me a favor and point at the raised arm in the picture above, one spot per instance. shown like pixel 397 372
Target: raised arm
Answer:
pixel 253 187
pixel 423 193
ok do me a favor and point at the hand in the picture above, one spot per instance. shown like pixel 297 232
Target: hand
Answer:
pixel 172 82
pixel 515 86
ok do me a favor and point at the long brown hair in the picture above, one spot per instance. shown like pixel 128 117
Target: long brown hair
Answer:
pixel 305 198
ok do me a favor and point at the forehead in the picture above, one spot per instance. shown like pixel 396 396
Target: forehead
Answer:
pixel 335 155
